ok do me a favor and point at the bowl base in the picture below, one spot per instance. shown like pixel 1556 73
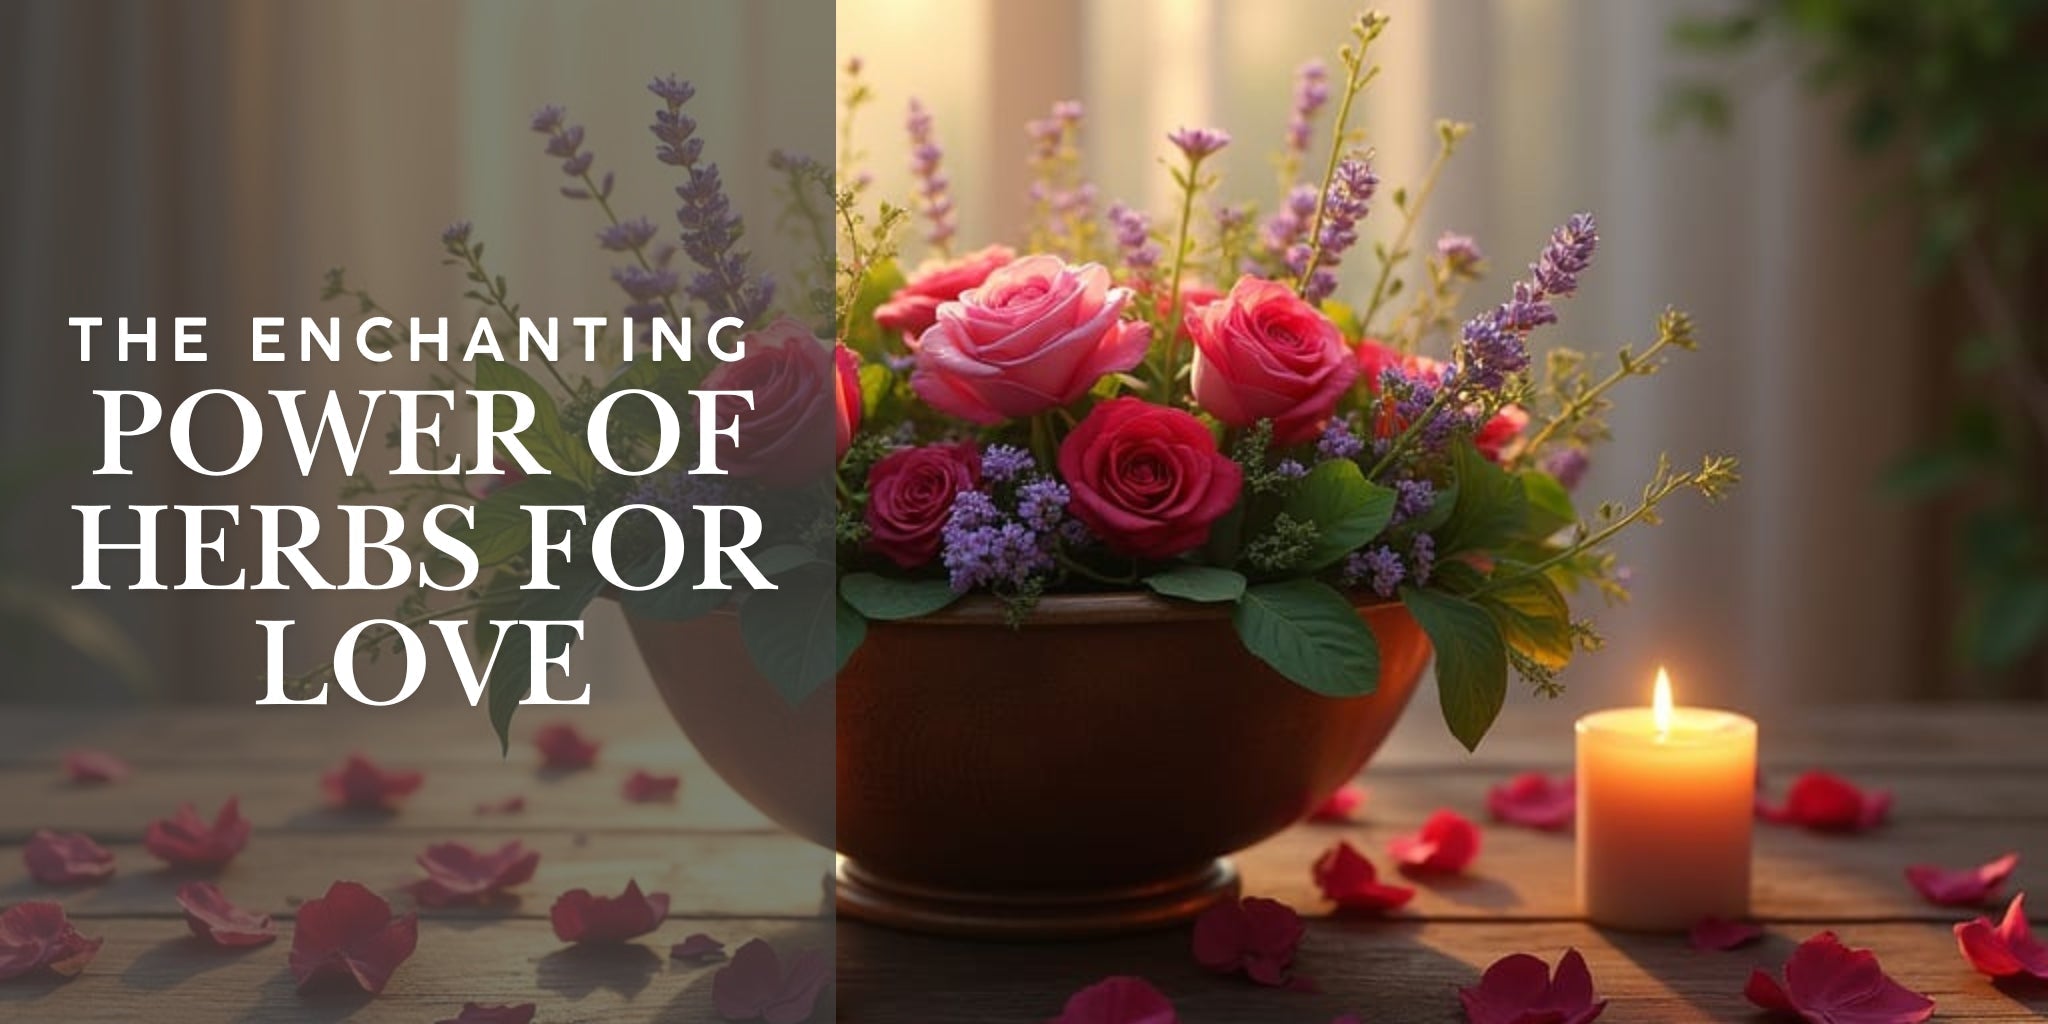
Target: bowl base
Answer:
pixel 864 896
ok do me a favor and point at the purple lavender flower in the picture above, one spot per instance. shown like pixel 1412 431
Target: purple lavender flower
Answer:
pixel 710 228
pixel 1198 143
pixel 933 188
pixel 1339 441
pixel 456 233
pixel 1290 469
pixel 1568 465
pixel 1423 553
pixel 627 235
pixel 1378 567
pixel 981 547
pixel 1068 112
pixel 1134 238
pixel 1412 498
pixel 1460 254
pixel 1348 201
pixel 1042 503
pixel 1280 235
pixel 1002 463
pixel 1494 344
pixel 1556 271
pixel 1311 91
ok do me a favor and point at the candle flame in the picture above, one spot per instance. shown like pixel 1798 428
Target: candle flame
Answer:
pixel 1660 702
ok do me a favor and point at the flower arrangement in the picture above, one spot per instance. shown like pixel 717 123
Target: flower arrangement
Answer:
pixel 1184 406
pixel 1188 406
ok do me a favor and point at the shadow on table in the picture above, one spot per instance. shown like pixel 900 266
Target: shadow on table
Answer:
pixel 1710 981
pixel 2029 993
pixel 1476 892
pixel 173 962
pixel 577 971
pixel 324 1005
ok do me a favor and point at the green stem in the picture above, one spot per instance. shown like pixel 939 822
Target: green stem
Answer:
pixel 364 639
pixel 1085 572
pixel 1578 405
pixel 1180 257
pixel 1411 214
pixel 1407 434
pixel 1354 83
pixel 1042 446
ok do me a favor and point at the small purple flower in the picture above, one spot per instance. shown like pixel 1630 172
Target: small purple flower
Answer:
pixel 1348 201
pixel 1290 469
pixel 1412 498
pixel 456 234
pixel 1493 345
pixel 1068 112
pixel 1377 567
pixel 1198 143
pixel 1311 91
pixel 710 229
pixel 1133 232
pixel 1002 463
pixel 627 236
pixel 1461 255
pixel 1042 503
pixel 1339 441
pixel 933 187
pixel 1556 271
pixel 1568 465
pixel 672 90
pixel 1423 554
pixel 548 120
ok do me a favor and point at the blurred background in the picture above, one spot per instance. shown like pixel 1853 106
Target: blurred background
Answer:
pixel 1838 190
pixel 1792 173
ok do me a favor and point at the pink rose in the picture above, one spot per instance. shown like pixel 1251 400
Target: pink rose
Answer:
pixel 846 396
pixel 1492 438
pixel 910 496
pixel 1035 336
pixel 1147 479
pixel 1193 296
pixel 783 438
pixel 1262 353
pixel 915 306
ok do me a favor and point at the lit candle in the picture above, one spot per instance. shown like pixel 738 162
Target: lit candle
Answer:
pixel 1666 799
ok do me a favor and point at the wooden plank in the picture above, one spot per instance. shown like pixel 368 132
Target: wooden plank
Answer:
pixel 739 874
pixel 1383 971
pixel 154 970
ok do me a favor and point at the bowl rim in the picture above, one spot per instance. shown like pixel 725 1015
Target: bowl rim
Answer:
pixel 1101 608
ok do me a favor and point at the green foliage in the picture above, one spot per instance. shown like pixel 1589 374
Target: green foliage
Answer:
pixel 1471 660
pixel 889 597
pixel 1309 633
pixel 1491 509
pixel 557 449
pixel 1201 583
pixel 510 680
pixel 1345 508
pixel 791 632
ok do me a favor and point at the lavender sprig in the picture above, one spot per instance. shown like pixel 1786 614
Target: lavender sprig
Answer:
pixel 1311 92
pixel 647 283
pixel 1348 201
pixel 710 229
pixel 1494 345
pixel 934 191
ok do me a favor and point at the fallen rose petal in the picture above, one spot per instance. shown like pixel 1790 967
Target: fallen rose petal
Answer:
pixel 1341 805
pixel 185 840
pixel 696 946
pixel 1519 989
pixel 478 1013
pixel 2007 949
pixel 460 873
pixel 83 765
pixel 66 858
pixel 1255 935
pixel 562 748
pixel 1349 880
pixel 1828 803
pixel 755 985
pixel 1714 935
pixel 579 916
pixel 38 935
pixel 360 784
pixel 644 787
pixel 509 805
pixel 1964 887
pixel 1118 1000
pixel 211 917
pixel 1828 983
pixel 1534 800
pixel 1445 846
pixel 350 935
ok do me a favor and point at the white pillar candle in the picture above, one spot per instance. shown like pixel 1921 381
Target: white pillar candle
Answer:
pixel 1666 800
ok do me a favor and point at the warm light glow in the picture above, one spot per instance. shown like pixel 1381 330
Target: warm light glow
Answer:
pixel 1660 702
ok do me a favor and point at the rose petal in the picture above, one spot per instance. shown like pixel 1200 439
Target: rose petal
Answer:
pixel 644 787
pixel 460 873
pixel 509 805
pixel 1118 1000
pixel 755 986
pixel 1534 800
pixel 1446 845
pixel 1348 798
pixel 1345 877
pixel 1713 935
pixel 211 917
pixel 1828 982
pixel 84 765
pixel 1256 936
pixel 1519 989
pixel 66 858
pixel 2007 950
pixel 349 935
pixel 578 916
pixel 478 1013
pixel 37 935
pixel 1961 887
pixel 1828 803
pixel 185 840
pixel 696 946
pixel 360 784
pixel 562 748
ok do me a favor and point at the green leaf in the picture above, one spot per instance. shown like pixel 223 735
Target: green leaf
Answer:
pixel 1226 536
pixel 791 632
pixel 1491 510
pixel 850 629
pixel 2010 620
pixel 1309 633
pixel 511 677
pixel 1198 583
pixel 1471 660
pixel 503 528
pixel 1347 510
pixel 557 449
pixel 1550 505
pixel 1533 618
pixel 888 598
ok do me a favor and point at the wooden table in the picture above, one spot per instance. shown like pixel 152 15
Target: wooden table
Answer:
pixel 1972 782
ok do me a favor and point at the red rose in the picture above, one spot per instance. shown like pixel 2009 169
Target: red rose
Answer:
pixel 782 438
pixel 1492 438
pixel 915 306
pixel 847 396
pixel 1147 479
pixel 1497 433
pixel 1261 353
pixel 910 494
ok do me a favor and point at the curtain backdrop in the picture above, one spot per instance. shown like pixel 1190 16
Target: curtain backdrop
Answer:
pixel 1805 584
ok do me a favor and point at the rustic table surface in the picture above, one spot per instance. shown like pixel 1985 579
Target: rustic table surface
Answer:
pixel 1971 783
